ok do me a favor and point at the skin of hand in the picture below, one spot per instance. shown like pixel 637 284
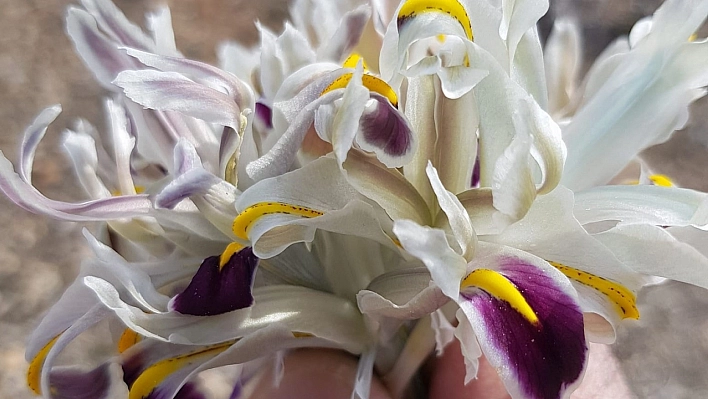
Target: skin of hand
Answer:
pixel 323 373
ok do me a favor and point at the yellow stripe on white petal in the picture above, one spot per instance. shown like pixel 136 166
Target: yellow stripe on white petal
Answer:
pixel 501 288
pixel 353 59
pixel 661 180
pixel 230 250
pixel 453 8
pixel 127 340
pixel 34 372
pixel 371 82
pixel 623 299
pixel 245 220
pixel 154 375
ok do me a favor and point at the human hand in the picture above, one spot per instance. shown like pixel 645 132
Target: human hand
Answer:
pixel 320 373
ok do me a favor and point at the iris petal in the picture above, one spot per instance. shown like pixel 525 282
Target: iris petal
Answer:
pixel 541 360
pixel 215 289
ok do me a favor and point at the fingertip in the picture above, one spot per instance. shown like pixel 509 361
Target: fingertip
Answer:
pixel 314 373
pixel 447 376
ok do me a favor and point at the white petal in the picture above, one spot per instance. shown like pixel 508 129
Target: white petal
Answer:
pixel 653 251
pixel 175 92
pixel 660 206
pixel 456 215
pixel 447 268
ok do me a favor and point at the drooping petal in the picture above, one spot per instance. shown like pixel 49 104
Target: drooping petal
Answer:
pixel 174 92
pixel 542 357
pixel 219 288
pixel 211 76
pixel 653 251
pixel 98 52
pixel 656 205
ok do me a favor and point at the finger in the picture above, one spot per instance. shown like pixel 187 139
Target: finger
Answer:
pixel 603 377
pixel 447 376
pixel 314 373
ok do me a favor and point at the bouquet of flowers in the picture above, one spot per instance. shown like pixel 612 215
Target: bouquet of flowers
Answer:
pixel 382 178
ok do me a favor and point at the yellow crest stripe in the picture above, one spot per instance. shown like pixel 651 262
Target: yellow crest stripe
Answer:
pixel 353 59
pixel 661 180
pixel 624 300
pixel 453 8
pixel 158 372
pixel 127 340
pixel 34 372
pixel 501 288
pixel 371 82
pixel 243 222
pixel 230 250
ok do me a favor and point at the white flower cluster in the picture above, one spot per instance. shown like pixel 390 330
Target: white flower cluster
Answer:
pixel 378 169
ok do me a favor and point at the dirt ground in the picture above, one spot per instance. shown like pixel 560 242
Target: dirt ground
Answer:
pixel 664 356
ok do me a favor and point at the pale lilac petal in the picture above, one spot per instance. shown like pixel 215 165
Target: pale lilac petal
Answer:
pixel 116 25
pixel 211 76
pixel 194 182
pixel 160 24
pixel 27 197
pixel 170 91
pixel 31 138
pixel 281 157
pixel 100 54
pixel 347 35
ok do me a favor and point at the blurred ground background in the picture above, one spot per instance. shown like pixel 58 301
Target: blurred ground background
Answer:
pixel 664 356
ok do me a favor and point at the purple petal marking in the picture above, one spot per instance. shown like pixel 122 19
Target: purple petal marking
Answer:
pixel 214 291
pixel 70 383
pixel 476 173
pixel 237 391
pixel 265 114
pixel 188 391
pixel 543 360
pixel 386 128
